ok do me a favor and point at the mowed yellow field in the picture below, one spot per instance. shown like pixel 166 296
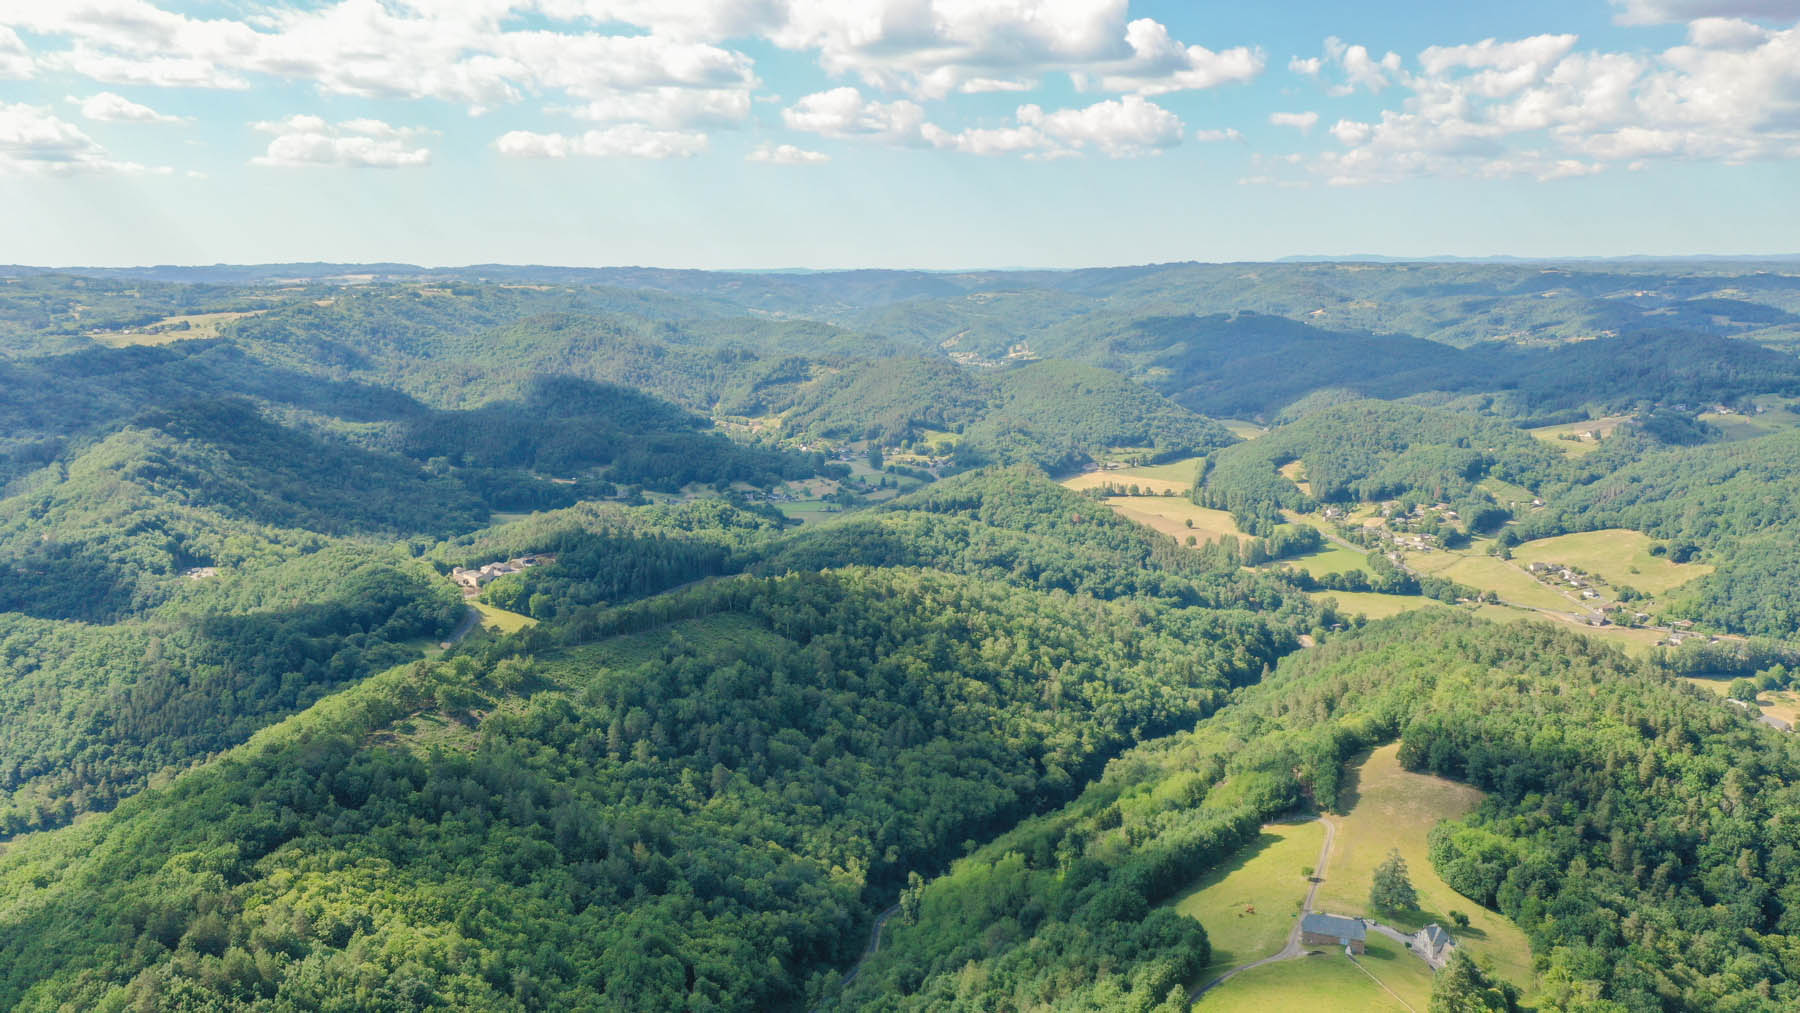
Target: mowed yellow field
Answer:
pixel 1618 555
pixel 1295 472
pixel 1390 808
pixel 1171 514
pixel 1174 476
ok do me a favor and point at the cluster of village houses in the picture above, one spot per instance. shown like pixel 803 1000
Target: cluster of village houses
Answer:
pixel 471 580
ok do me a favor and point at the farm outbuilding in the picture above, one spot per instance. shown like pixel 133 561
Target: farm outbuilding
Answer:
pixel 1333 930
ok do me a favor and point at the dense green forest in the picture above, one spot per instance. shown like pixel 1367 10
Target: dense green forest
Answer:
pixel 811 638
pixel 692 801
pixel 1358 451
pixel 1057 415
pixel 1628 830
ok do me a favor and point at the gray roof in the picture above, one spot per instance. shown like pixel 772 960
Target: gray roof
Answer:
pixel 1333 925
pixel 1436 936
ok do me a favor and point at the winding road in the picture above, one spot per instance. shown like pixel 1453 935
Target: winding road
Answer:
pixel 470 621
pixel 881 921
pixel 1293 948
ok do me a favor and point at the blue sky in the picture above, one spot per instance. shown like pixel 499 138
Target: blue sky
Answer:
pixel 892 133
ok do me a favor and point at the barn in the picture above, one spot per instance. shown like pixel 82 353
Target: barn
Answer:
pixel 1333 930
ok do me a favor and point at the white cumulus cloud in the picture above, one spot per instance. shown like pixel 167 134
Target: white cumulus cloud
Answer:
pixel 627 140
pixel 305 140
pixel 843 112
pixel 1303 122
pixel 1655 12
pixel 15 58
pixel 1128 127
pixel 33 140
pixel 107 107
pixel 786 154
pixel 1543 107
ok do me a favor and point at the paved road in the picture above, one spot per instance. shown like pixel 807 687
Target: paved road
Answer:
pixel 881 921
pixel 470 620
pixel 1293 948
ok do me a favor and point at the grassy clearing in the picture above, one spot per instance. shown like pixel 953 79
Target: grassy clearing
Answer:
pixel 1376 606
pixel 1400 970
pixel 1171 514
pixel 1617 555
pixel 1637 643
pixel 1243 429
pixel 1176 476
pixel 1325 982
pixel 1489 573
pixel 1248 905
pixel 170 329
pixel 1783 704
pixel 809 511
pixel 1506 492
pixel 1587 444
pixel 1295 472
pixel 1393 808
pixel 1777 414
pixel 500 620
pixel 1330 559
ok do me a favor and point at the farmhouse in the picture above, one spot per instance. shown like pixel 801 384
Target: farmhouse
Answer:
pixel 1333 930
pixel 472 580
pixel 1434 944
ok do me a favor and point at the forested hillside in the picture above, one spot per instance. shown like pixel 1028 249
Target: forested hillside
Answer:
pixel 504 638
pixel 1627 829
pixel 1057 415
pixel 1367 450
pixel 784 749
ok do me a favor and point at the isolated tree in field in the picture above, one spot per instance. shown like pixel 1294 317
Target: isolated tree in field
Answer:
pixel 1743 689
pixel 1392 890
pixel 875 459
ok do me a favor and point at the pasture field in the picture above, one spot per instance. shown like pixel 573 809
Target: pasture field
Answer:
pixel 1637 643
pixel 1170 514
pixel 1400 970
pixel 1243 429
pixel 809 511
pixel 1617 555
pixel 1489 573
pixel 1389 808
pixel 1328 981
pixel 1506 492
pixel 1176 476
pixel 1777 414
pixel 1376 606
pixel 1553 434
pixel 1780 703
pixel 1330 559
pixel 500 620
pixel 169 329
pixel 1248 904
pixel 1295 472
